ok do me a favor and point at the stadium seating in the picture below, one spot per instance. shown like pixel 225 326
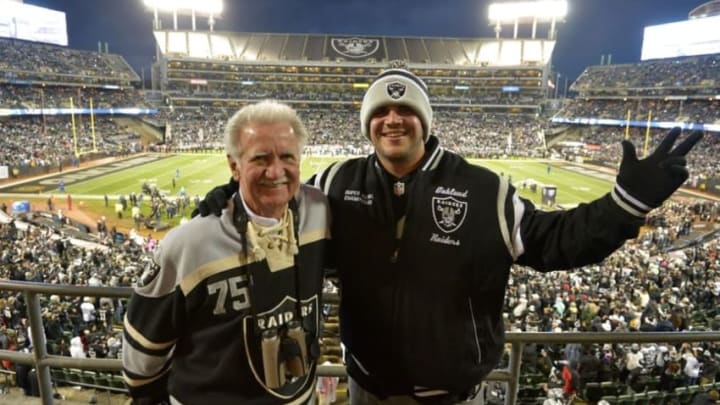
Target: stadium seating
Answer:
pixel 641 398
pixel 102 379
pixel 118 382
pixel 593 391
pixel 625 399
pixel 610 399
pixel 612 388
pixel 57 374
pixel 74 375
pixel 684 395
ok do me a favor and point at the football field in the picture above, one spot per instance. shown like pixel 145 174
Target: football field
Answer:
pixel 195 174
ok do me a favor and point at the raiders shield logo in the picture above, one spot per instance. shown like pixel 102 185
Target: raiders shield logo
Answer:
pixel 399 188
pixel 264 355
pixel 284 312
pixel 149 273
pixel 448 213
pixel 396 90
pixel 355 48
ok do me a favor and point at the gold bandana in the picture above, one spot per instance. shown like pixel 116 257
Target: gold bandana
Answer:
pixel 274 243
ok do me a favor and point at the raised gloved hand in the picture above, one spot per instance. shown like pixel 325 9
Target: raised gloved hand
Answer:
pixel 216 199
pixel 644 184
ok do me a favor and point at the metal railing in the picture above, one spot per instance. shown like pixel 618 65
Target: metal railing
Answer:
pixel 42 361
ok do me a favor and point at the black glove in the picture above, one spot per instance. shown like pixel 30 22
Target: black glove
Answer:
pixel 644 184
pixel 216 199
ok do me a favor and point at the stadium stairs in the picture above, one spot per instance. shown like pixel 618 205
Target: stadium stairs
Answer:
pixel 147 132
pixel 565 134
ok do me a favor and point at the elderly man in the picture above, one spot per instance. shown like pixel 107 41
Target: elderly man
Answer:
pixel 227 313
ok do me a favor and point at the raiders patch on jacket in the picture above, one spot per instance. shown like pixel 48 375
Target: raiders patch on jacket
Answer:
pixel 149 274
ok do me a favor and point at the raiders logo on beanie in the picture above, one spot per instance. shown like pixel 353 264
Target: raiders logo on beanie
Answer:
pixel 400 87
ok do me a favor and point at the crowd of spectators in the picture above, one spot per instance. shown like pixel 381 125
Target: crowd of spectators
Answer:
pixel 36 249
pixel 336 132
pixel 695 73
pixel 47 143
pixel 233 90
pixel 698 111
pixel 45 97
pixel 23 60
pixel 641 287
pixel 42 76
pixel 486 135
pixel 603 147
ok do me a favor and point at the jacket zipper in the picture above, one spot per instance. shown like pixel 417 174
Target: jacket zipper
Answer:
pixel 477 338
pixel 395 255
pixel 399 230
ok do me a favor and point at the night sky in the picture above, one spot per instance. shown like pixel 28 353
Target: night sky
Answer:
pixel 592 28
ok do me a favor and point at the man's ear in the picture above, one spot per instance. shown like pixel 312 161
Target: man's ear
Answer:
pixel 234 168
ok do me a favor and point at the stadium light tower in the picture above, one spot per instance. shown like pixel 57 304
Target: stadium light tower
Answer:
pixel 709 9
pixel 211 8
pixel 551 11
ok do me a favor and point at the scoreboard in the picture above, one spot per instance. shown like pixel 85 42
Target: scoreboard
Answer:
pixel 699 36
pixel 32 23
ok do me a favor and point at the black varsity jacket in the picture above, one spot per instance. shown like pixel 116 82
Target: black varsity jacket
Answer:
pixel 422 295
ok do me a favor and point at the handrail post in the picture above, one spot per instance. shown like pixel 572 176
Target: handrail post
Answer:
pixel 37 332
pixel 515 360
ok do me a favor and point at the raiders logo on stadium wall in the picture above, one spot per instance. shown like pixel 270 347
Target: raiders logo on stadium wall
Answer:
pixel 448 213
pixel 355 47
pixel 396 90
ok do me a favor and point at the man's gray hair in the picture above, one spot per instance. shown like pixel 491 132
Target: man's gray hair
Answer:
pixel 263 112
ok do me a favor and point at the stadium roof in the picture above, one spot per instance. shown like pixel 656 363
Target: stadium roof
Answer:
pixel 709 9
pixel 309 48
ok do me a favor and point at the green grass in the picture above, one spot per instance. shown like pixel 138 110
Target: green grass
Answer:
pixel 572 187
pixel 200 173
